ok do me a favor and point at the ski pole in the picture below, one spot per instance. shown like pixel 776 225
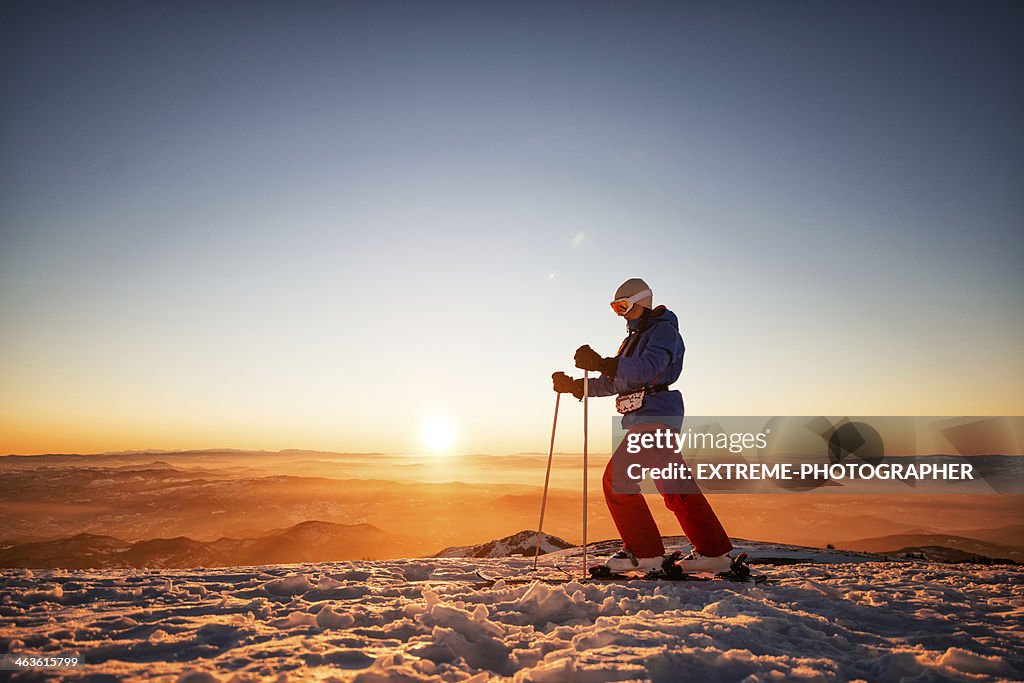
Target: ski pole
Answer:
pixel 547 478
pixel 586 383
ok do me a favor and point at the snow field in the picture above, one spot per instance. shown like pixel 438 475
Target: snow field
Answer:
pixel 432 619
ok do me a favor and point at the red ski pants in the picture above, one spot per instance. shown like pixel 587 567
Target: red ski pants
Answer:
pixel 637 528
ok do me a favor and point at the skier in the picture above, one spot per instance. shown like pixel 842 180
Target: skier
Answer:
pixel 647 362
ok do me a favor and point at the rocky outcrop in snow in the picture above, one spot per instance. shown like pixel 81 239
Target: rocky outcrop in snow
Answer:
pixel 522 543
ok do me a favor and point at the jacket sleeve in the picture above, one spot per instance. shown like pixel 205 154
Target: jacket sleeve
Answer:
pixel 649 365
pixel 602 385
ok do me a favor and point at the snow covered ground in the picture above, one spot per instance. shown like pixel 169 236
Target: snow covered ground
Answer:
pixel 433 619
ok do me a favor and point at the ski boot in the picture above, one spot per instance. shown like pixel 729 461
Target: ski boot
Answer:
pixel 727 567
pixel 624 562
pixel 695 563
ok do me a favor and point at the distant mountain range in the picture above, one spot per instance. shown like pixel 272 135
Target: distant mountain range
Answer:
pixel 145 499
pixel 311 541
pixel 224 507
pixel 316 541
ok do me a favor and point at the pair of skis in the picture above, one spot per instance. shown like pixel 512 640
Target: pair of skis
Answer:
pixel 739 572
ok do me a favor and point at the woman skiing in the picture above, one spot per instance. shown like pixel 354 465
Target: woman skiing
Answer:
pixel 647 362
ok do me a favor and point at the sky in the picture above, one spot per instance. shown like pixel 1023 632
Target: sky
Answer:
pixel 324 225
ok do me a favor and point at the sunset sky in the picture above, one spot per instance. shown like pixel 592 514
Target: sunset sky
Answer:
pixel 318 225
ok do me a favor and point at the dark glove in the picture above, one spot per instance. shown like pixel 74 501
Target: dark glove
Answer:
pixel 588 359
pixel 564 384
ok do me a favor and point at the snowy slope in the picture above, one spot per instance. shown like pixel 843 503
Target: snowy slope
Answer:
pixel 760 552
pixel 433 619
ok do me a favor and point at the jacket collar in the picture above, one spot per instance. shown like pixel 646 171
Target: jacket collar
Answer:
pixel 649 316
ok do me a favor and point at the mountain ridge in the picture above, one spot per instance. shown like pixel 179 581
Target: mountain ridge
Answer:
pixel 308 541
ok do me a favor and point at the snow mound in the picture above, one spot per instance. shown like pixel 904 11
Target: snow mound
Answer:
pixel 294 584
pixel 522 543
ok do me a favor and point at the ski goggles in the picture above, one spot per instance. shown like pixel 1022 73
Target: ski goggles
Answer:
pixel 625 305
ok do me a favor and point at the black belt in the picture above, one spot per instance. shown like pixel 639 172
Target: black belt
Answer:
pixel 653 389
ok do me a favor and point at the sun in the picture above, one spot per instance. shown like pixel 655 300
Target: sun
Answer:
pixel 437 433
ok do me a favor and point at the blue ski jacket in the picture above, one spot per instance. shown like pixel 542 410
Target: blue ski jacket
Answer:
pixel 651 354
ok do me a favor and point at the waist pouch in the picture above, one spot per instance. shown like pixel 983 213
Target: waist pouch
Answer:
pixel 627 403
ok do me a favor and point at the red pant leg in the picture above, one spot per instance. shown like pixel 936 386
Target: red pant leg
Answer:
pixel 699 522
pixel 632 517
